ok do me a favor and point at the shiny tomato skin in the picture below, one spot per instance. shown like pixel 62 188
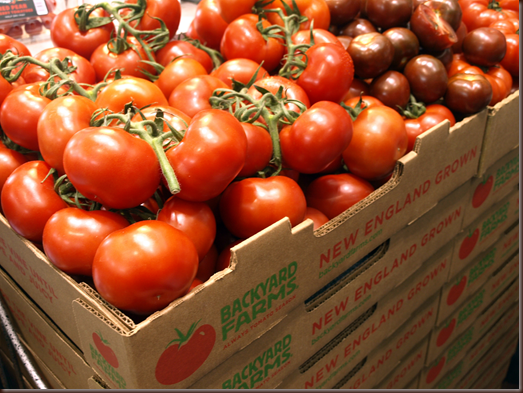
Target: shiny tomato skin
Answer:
pixel 177 48
pixel 208 24
pixel 71 237
pixel 318 15
pixel 176 118
pixel 343 11
pixel 20 112
pixel 170 11
pixel 65 33
pixel 329 73
pixel 406 46
pixel 28 201
pixel 427 77
pixel 391 88
pixel 434 114
pixel 122 91
pixel 259 149
pixel 242 39
pixel 84 72
pixel 192 95
pixel 210 155
pixel 59 121
pixel 485 46
pixel 468 93
pixel 317 217
pixel 9 161
pixel 379 139
pixel 386 14
pixel 5 89
pixel 195 219
pixel 251 205
pixel 333 194
pixel 15 46
pixel 372 54
pixel 316 138
pixel 231 9
pixel 511 60
pixel 434 33
pixel 129 62
pixel 112 167
pixel 319 36
pixel 241 70
pixel 177 72
pixel 144 267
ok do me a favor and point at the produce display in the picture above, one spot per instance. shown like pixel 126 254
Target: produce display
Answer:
pixel 137 157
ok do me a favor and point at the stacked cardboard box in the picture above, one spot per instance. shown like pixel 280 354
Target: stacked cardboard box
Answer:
pixel 356 304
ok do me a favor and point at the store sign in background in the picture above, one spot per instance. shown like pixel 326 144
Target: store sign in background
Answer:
pixel 21 9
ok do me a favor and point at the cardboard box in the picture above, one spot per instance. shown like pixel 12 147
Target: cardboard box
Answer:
pixel 501 351
pixel 485 231
pixel 492 186
pixel 356 361
pixel 502 132
pixel 499 378
pixel 442 372
pixel 409 367
pixel 465 315
pixel 474 275
pixel 297 262
pixel 44 338
pixel 305 333
pixel 414 383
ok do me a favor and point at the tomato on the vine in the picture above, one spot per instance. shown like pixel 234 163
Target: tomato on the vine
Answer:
pixel 379 139
pixel 71 237
pixel 170 11
pixel 316 138
pixel 15 46
pixel 210 155
pixel 124 275
pixel 251 205
pixel 29 199
pixel 328 74
pixel 177 48
pixel 9 161
pixel 110 166
pixel 259 149
pixel 434 114
pixel 208 24
pixel 59 121
pixel 241 70
pixel 177 72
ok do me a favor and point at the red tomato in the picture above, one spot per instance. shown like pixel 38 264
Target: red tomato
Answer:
pixel 379 139
pixel 358 88
pixel 65 33
pixel 434 33
pixel 333 194
pixel 192 95
pixel 242 39
pixel 28 201
pixel 9 161
pixel 15 46
pixel 210 156
pixel 433 115
pixel 241 70
pixel 231 9
pixel 169 11
pixel 259 149
pixel 316 138
pixel 176 118
pixel 59 121
pixel 208 24
pixel 122 91
pixel 224 257
pixel 72 236
pixel 317 217
pixel 480 13
pixel 253 204
pixel 84 72
pixel 319 36
pixel 319 13
pixel 129 62
pixel 112 167
pixel 195 219
pixel 145 266
pixel 176 72
pixel 195 283
pixel 511 60
pixel 367 101
pixel 5 89
pixel 20 112
pixel 276 20
pixel 328 74
pixel 178 48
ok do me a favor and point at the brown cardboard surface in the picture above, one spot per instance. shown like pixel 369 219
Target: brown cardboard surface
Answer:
pixel 44 339
pixel 502 131
pixel 475 274
pixel 409 367
pixel 497 381
pixel 485 231
pixel 304 334
pixel 502 350
pixel 414 383
pixel 238 305
pixel 492 186
pixel 382 360
pixel 465 315
pixel 470 345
